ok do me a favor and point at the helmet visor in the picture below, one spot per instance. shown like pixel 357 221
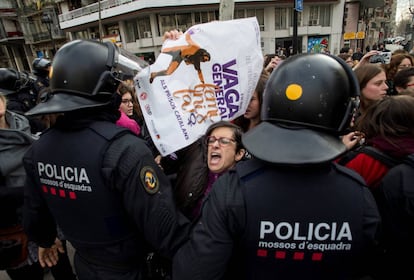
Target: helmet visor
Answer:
pixel 126 65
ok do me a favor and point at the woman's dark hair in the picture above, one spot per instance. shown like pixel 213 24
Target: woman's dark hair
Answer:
pixel 390 118
pixel 260 87
pixel 344 56
pixel 402 78
pixel 237 132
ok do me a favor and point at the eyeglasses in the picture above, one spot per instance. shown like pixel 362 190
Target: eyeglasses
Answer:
pixel 127 101
pixel 402 66
pixel 223 141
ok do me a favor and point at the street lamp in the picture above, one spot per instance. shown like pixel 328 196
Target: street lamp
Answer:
pixel 46 19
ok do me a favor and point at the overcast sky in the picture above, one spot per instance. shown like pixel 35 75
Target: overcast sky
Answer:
pixel 402 9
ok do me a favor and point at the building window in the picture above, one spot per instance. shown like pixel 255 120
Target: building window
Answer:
pixel 325 15
pixel 245 13
pixel 280 18
pixel 167 22
pixel 314 16
pixel 144 28
pixel 239 14
pixel 184 21
pixel 320 15
pixel 175 21
pixel 131 31
pixel 138 29
pixel 81 34
pixel 203 17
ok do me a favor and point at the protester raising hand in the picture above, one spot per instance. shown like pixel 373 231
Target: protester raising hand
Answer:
pixel 365 59
pixel 172 34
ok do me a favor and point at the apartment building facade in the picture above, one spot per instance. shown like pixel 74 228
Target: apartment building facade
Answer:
pixel 42 26
pixel 139 25
pixel 367 23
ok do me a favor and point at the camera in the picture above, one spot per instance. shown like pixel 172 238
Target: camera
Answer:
pixel 381 57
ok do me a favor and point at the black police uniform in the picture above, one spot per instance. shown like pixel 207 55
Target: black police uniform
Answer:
pixel 106 193
pixel 396 204
pixel 40 84
pixel 267 222
pixel 21 101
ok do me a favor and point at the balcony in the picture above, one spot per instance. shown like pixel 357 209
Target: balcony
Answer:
pixel 36 38
pixel 7 4
pixel 28 11
pixel 43 36
pixel 113 8
pixel 8 13
pixel 90 9
pixel 10 30
pixel 7 9
pixel 14 34
pixel 11 37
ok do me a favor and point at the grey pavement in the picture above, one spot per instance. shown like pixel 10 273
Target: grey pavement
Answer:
pixel 48 275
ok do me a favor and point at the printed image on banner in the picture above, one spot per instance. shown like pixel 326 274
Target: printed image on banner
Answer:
pixel 208 74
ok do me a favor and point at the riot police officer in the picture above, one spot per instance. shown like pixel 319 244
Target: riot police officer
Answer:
pixel 96 180
pixel 18 86
pixel 41 67
pixel 290 212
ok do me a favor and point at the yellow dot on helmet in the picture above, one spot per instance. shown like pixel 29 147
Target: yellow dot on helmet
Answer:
pixel 294 92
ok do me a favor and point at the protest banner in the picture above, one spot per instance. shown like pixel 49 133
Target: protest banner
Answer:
pixel 208 74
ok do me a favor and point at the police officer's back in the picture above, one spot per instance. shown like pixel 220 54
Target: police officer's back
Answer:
pixel 289 213
pixel 96 180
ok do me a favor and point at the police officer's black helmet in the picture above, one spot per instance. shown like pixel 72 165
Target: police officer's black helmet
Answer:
pixel 308 102
pixel 11 80
pixel 86 74
pixel 41 67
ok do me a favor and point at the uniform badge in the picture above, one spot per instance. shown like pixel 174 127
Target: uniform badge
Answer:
pixel 149 180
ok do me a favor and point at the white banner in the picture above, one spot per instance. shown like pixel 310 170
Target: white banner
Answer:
pixel 208 74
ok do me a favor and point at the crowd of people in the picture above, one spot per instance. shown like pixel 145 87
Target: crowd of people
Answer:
pixel 312 181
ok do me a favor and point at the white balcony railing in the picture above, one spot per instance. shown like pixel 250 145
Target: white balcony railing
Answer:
pixel 92 8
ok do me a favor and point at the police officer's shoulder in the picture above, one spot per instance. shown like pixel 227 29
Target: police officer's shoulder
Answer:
pixel 402 170
pixel 349 173
pixel 227 191
pixel 249 167
pixel 397 181
pixel 126 140
pixel 127 153
pixel 108 130
pixel 230 183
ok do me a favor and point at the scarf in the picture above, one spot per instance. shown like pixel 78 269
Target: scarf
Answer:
pixel 395 147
